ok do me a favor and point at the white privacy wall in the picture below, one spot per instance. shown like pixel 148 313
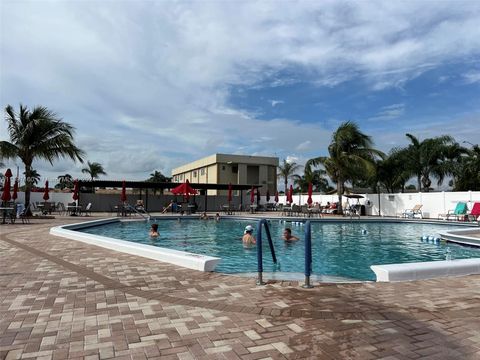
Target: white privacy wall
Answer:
pixel 434 203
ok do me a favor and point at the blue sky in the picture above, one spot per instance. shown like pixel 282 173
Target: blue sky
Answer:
pixel 152 85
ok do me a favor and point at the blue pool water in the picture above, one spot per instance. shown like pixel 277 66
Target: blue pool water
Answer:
pixel 338 249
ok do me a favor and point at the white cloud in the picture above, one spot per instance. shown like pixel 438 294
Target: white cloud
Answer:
pixel 472 77
pixel 389 112
pixel 276 102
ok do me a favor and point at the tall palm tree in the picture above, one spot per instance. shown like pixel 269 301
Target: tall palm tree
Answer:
pixel 316 177
pixel 94 169
pixel 65 181
pixel 158 177
pixel 33 179
pixel 287 170
pixel 427 158
pixel 350 154
pixel 38 134
pixel 467 175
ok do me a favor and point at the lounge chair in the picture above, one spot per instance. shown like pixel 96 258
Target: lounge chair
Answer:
pixel 413 212
pixel 88 209
pixel 458 213
pixel 474 214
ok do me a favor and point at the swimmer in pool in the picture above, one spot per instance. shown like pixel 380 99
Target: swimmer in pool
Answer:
pixel 287 235
pixel 248 238
pixel 154 231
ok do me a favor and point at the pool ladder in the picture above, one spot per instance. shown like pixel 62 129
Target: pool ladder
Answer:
pixel 308 252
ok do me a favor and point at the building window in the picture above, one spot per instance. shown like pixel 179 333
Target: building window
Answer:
pixel 223 167
pixel 235 169
pixel 202 171
pixel 195 174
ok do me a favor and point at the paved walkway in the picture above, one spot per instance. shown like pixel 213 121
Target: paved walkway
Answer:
pixel 64 299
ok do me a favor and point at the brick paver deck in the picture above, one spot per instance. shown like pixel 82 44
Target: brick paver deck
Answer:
pixel 62 299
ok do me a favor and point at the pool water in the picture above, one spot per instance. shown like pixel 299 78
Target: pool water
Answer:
pixel 338 249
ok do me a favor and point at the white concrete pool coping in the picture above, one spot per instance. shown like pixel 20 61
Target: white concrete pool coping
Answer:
pixel 175 257
pixel 389 272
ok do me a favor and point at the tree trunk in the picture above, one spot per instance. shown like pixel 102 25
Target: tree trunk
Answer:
pixel 28 186
pixel 286 184
pixel 340 193
pixel 419 181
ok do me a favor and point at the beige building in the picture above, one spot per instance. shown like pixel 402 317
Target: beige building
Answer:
pixel 235 169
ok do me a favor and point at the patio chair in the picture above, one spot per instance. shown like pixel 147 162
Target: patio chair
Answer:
pixel 474 214
pixel 416 211
pixel 88 209
pixel 458 213
pixel 60 208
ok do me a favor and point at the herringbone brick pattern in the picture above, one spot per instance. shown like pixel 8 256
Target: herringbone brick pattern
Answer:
pixel 62 299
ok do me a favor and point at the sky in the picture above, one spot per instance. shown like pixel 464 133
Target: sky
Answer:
pixel 153 85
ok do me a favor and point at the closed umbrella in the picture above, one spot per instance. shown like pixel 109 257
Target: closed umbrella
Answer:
pixel 267 196
pixel 6 186
pixel 123 195
pixel 310 191
pixel 258 196
pixel 15 190
pixel 276 197
pixel 290 194
pixel 229 193
pixel 75 190
pixel 252 195
pixel 45 192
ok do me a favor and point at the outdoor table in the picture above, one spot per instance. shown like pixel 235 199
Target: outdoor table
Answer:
pixel 8 211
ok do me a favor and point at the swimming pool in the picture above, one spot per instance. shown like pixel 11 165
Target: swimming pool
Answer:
pixel 342 249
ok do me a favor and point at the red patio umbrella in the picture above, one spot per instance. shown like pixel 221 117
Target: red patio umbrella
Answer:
pixel 290 194
pixel 310 191
pixel 15 190
pixel 276 197
pixel 252 195
pixel 123 196
pixel 75 190
pixel 45 192
pixel 184 189
pixel 6 186
pixel 229 192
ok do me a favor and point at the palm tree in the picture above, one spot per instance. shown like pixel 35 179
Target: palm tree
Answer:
pixel 158 177
pixel 94 169
pixel 391 172
pixel 350 154
pixel 467 175
pixel 33 179
pixel 427 158
pixel 65 181
pixel 38 134
pixel 316 177
pixel 286 171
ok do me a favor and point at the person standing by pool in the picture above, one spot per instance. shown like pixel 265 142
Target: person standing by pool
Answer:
pixel 287 235
pixel 154 231
pixel 217 217
pixel 248 238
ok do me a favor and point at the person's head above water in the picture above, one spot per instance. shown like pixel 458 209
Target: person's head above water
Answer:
pixel 248 229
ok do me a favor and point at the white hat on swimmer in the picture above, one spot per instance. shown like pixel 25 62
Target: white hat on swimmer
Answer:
pixel 248 228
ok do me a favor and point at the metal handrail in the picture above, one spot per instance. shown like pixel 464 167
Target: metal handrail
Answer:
pixel 308 255
pixel 260 250
pixel 148 217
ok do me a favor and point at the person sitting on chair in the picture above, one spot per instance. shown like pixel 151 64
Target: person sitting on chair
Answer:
pixel 139 205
